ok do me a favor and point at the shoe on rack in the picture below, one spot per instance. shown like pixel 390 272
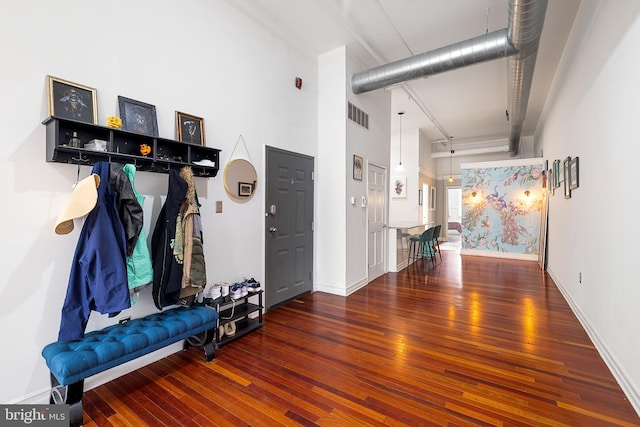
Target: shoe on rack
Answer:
pixel 253 286
pixel 244 289
pixel 236 291
pixel 224 289
pixel 212 294
pixel 230 329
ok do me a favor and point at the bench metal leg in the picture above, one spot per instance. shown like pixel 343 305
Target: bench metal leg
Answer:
pixel 71 395
pixel 203 340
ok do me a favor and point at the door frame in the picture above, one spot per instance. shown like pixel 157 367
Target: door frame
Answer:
pixel 385 208
pixel 448 187
pixel 311 215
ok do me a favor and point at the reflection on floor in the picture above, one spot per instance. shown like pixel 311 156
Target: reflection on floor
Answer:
pixel 453 242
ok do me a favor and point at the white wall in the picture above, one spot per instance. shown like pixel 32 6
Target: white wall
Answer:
pixel 405 210
pixel 592 114
pixel 373 145
pixel 341 229
pixel 201 57
pixel 330 227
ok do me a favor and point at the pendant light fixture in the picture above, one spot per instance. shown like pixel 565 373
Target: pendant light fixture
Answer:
pixel 451 151
pixel 400 168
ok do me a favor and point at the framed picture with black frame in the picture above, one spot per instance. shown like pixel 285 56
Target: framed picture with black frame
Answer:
pixel 566 178
pixel 138 117
pixel 189 128
pixel 432 198
pixel 357 167
pixel 72 100
pixel 574 172
pixel 245 189
pixel 557 175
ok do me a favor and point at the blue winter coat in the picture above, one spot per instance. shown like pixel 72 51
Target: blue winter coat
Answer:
pixel 98 278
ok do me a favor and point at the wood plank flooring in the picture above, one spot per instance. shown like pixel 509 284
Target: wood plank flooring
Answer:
pixel 470 341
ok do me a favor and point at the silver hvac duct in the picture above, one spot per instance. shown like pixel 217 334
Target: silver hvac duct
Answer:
pixel 479 49
pixel 526 18
pixel 519 42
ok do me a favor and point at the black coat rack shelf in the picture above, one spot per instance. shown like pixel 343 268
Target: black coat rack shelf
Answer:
pixel 125 147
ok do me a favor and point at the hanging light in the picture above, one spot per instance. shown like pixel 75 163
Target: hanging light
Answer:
pixel 400 168
pixel 451 151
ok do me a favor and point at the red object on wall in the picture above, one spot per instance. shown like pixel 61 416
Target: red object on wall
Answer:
pixel 298 82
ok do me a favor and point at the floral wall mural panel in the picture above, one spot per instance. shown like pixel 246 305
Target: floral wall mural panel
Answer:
pixel 496 214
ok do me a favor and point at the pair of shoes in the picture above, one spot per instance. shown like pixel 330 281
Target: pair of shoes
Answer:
pixel 253 286
pixel 228 329
pixel 212 294
pixel 239 290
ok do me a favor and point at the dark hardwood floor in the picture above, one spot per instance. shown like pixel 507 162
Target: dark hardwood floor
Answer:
pixel 469 341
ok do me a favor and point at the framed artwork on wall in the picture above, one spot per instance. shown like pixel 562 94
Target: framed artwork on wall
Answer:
pixel 138 117
pixel 419 197
pixel 557 175
pixel 189 128
pixel 574 173
pixel 72 101
pixel 245 189
pixel 357 167
pixel 566 177
pixel 399 187
pixel 432 198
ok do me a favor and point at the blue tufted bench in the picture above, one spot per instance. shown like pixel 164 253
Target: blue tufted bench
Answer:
pixel 70 362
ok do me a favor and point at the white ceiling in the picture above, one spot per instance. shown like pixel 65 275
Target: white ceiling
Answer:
pixel 469 103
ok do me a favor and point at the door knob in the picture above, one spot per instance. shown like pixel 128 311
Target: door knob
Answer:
pixel 273 229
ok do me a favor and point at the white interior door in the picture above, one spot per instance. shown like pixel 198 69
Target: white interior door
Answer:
pixel 377 220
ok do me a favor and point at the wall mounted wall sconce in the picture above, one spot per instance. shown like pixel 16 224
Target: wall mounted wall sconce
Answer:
pixel 474 194
pixel 527 193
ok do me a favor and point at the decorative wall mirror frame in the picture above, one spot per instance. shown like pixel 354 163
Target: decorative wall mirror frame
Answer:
pixel 240 179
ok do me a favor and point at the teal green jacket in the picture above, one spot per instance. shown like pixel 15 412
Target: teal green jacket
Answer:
pixel 139 266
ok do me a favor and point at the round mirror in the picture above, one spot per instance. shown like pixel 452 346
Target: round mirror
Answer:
pixel 240 179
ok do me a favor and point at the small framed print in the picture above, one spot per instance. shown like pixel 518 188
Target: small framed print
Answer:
pixel 399 187
pixel 189 128
pixel 357 167
pixel 72 101
pixel 138 117
pixel 245 189
pixel 566 177
pixel 420 197
pixel 557 175
pixel 574 172
pixel 432 198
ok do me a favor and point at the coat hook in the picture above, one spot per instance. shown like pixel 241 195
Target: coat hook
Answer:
pixel 81 159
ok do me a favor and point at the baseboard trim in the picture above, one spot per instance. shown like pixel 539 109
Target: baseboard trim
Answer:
pixel 506 255
pixel 41 397
pixel 629 388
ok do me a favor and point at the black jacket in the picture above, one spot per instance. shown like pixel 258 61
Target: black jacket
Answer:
pixel 166 248
pixel 129 209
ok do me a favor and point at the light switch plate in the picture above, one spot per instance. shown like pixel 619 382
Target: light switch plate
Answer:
pixel 218 206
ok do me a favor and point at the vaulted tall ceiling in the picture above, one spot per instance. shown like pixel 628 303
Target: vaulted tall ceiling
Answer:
pixel 468 103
